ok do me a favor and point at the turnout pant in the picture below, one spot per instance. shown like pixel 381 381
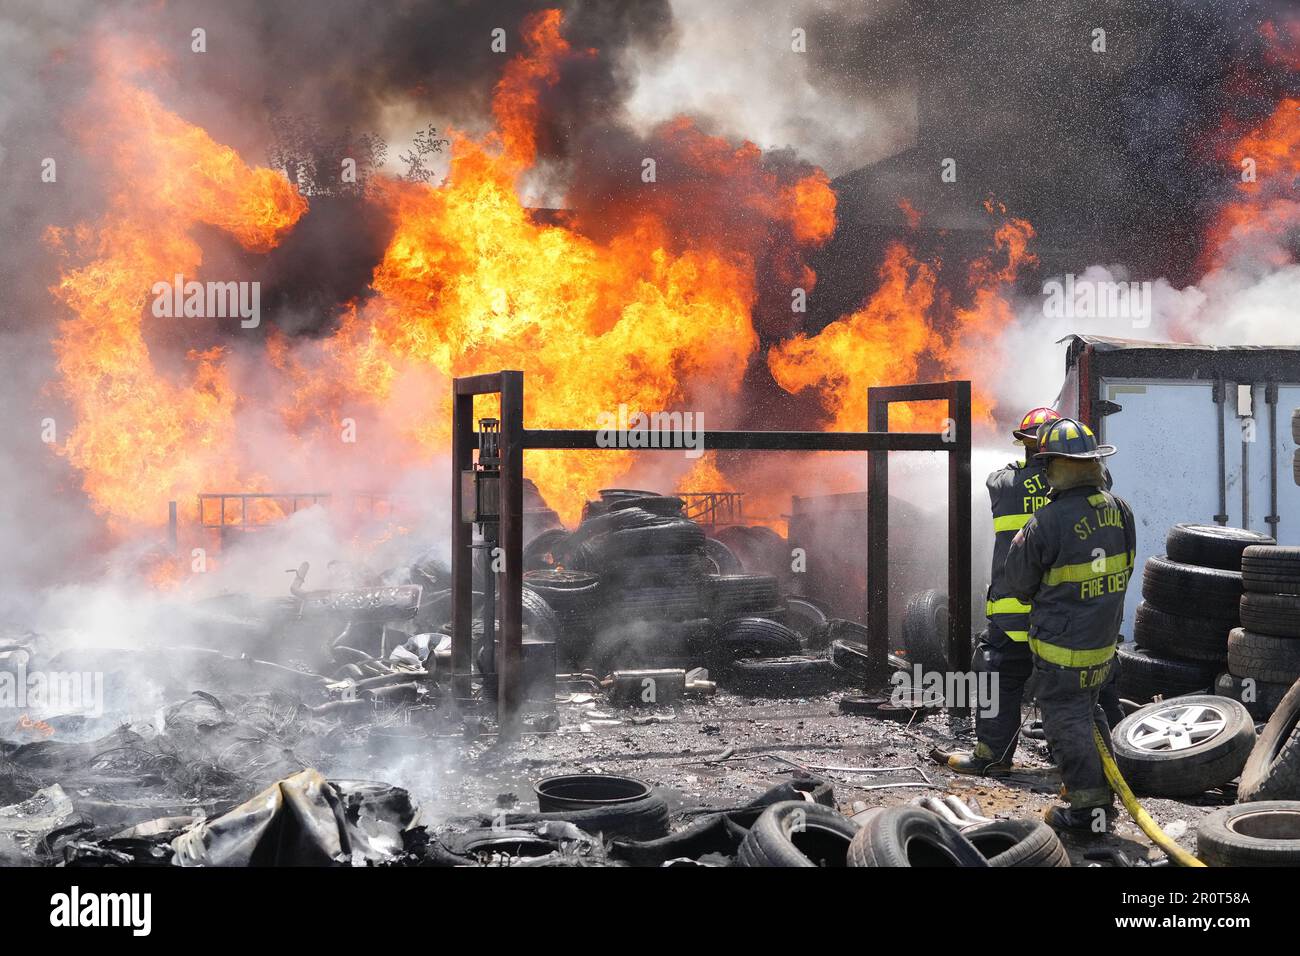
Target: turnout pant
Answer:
pixel 1068 699
pixel 1013 663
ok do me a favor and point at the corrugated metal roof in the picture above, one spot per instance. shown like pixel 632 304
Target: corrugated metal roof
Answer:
pixel 1106 344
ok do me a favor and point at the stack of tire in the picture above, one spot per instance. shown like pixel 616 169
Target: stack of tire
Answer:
pixel 1264 652
pixel 651 562
pixel 1190 600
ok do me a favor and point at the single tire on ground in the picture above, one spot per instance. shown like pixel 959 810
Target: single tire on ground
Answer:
pixel 1177 588
pixel 1183 746
pixel 1211 545
pixel 1143 676
pixel 752 637
pixel 644 819
pixel 1251 834
pixel 925 628
pixel 1018 843
pixel 1263 656
pixel 799 834
pixel 1179 637
pixel 910 836
pixel 1273 770
pixel 796 676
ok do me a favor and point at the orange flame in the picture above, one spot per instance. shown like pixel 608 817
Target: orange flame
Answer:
pixel 472 282
pixel 1264 211
pixel 907 329
pixel 141 436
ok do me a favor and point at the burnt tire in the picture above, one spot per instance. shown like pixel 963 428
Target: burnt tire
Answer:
pixel 736 595
pixel 798 834
pixel 910 836
pixel 1274 570
pixel 808 621
pixel 1263 656
pixel 642 819
pixel 1275 614
pixel 669 602
pixel 1143 676
pixel 1211 545
pixel 1251 834
pixel 854 658
pixel 1179 637
pixel 721 558
pixel 674 538
pixel 794 676
pixel 648 569
pixel 667 505
pixel 1018 843
pixel 1169 749
pixel 1260 697
pixel 925 628
pixel 752 637
pixel 1273 770
pixel 543 551
pixel 1177 588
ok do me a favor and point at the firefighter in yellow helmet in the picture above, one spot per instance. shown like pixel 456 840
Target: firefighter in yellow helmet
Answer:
pixel 1072 562
pixel 1016 491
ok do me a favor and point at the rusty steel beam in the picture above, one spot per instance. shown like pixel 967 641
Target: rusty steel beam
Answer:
pixel 462 535
pixel 478 384
pixel 959 532
pixel 877 609
pixel 878 441
pixel 873 441
pixel 509 662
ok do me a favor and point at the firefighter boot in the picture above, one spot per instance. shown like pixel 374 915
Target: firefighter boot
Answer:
pixel 981 762
pixel 1084 821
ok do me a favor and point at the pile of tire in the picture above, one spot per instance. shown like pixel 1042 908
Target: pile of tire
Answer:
pixel 1264 652
pixel 652 598
pixel 1190 600
pixel 802 834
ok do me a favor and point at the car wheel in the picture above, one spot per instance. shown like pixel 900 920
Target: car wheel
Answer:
pixel 1183 746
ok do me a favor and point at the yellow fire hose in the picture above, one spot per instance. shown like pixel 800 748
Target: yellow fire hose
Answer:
pixel 1139 815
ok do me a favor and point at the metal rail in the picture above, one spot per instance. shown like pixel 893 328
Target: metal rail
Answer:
pixel 878 442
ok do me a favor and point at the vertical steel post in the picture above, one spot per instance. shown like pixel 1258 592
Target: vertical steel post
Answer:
pixel 462 532
pixel 959 531
pixel 171 526
pixel 510 662
pixel 877 536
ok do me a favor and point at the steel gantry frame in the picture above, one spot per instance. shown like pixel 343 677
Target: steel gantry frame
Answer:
pixel 515 439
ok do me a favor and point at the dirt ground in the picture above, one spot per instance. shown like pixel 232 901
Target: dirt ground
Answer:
pixel 724 751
